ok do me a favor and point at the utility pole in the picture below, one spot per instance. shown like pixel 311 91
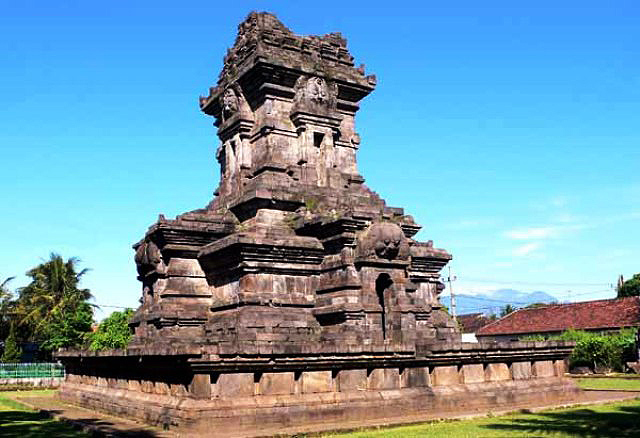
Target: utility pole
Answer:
pixel 449 280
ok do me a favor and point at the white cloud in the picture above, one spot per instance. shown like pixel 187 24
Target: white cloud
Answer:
pixel 545 232
pixel 526 249
pixel 565 218
pixel 531 233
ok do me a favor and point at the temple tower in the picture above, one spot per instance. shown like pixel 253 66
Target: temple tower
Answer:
pixel 297 298
pixel 294 252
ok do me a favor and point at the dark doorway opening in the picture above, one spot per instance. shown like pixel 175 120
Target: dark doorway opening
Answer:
pixel 383 283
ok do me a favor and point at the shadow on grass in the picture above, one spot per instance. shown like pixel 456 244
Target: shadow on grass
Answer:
pixel 622 423
pixel 21 424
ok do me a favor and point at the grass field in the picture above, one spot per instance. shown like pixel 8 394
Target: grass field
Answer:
pixel 608 383
pixel 18 421
pixel 615 420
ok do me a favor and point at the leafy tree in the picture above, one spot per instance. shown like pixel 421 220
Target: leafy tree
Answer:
pixel 630 288
pixel 113 332
pixel 6 307
pixel 70 331
pixel 52 308
pixel 507 310
pixel 12 352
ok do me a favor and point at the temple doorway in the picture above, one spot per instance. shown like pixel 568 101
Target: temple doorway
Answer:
pixel 383 283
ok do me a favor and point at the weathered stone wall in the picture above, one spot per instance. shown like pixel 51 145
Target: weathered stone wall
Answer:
pixel 321 396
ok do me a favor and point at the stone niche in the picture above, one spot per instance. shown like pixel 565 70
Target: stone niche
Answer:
pixel 296 296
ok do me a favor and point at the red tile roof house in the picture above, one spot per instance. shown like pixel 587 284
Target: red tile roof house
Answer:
pixel 600 316
pixel 470 323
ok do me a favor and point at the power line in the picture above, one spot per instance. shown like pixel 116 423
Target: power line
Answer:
pixel 529 283
pixel 449 280
pixel 115 307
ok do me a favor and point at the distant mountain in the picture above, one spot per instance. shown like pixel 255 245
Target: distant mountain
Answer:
pixel 492 302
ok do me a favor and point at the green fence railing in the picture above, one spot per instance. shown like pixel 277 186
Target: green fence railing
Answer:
pixel 30 370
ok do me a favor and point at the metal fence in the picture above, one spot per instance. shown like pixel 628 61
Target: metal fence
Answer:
pixel 30 370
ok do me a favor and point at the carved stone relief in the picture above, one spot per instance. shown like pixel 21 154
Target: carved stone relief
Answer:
pixel 383 240
pixel 315 91
pixel 148 259
pixel 230 103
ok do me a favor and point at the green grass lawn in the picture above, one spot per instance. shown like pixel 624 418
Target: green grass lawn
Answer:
pixel 18 421
pixel 614 420
pixel 608 383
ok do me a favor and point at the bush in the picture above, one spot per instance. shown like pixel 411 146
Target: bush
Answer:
pixel 113 332
pixel 533 338
pixel 608 351
pixel 595 350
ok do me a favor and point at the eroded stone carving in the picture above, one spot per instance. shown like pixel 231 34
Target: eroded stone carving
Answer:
pixel 316 90
pixel 384 240
pixel 230 103
pixel 148 258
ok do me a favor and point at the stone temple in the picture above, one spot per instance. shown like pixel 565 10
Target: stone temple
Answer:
pixel 297 297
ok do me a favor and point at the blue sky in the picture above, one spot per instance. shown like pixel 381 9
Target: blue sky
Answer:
pixel 510 132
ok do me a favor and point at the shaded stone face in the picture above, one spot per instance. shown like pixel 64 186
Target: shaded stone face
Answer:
pixel 294 253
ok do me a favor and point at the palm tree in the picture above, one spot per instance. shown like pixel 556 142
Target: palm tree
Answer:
pixel 52 294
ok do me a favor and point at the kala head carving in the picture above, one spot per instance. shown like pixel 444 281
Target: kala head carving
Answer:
pixel 384 240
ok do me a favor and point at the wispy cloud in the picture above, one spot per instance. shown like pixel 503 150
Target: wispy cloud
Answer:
pixel 559 201
pixel 568 225
pixel 531 233
pixel 565 218
pixel 526 249
pixel 466 224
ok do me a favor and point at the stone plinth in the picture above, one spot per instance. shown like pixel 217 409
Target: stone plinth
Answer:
pixel 521 370
pixel 497 372
pixel 544 368
pixel 316 381
pixel 472 373
pixel 445 375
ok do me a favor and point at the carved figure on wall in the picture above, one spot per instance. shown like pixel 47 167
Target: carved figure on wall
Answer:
pixel 230 103
pixel 317 90
pixel 384 240
pixel 148 258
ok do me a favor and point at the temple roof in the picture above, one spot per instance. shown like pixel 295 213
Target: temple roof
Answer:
pixel 262 38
